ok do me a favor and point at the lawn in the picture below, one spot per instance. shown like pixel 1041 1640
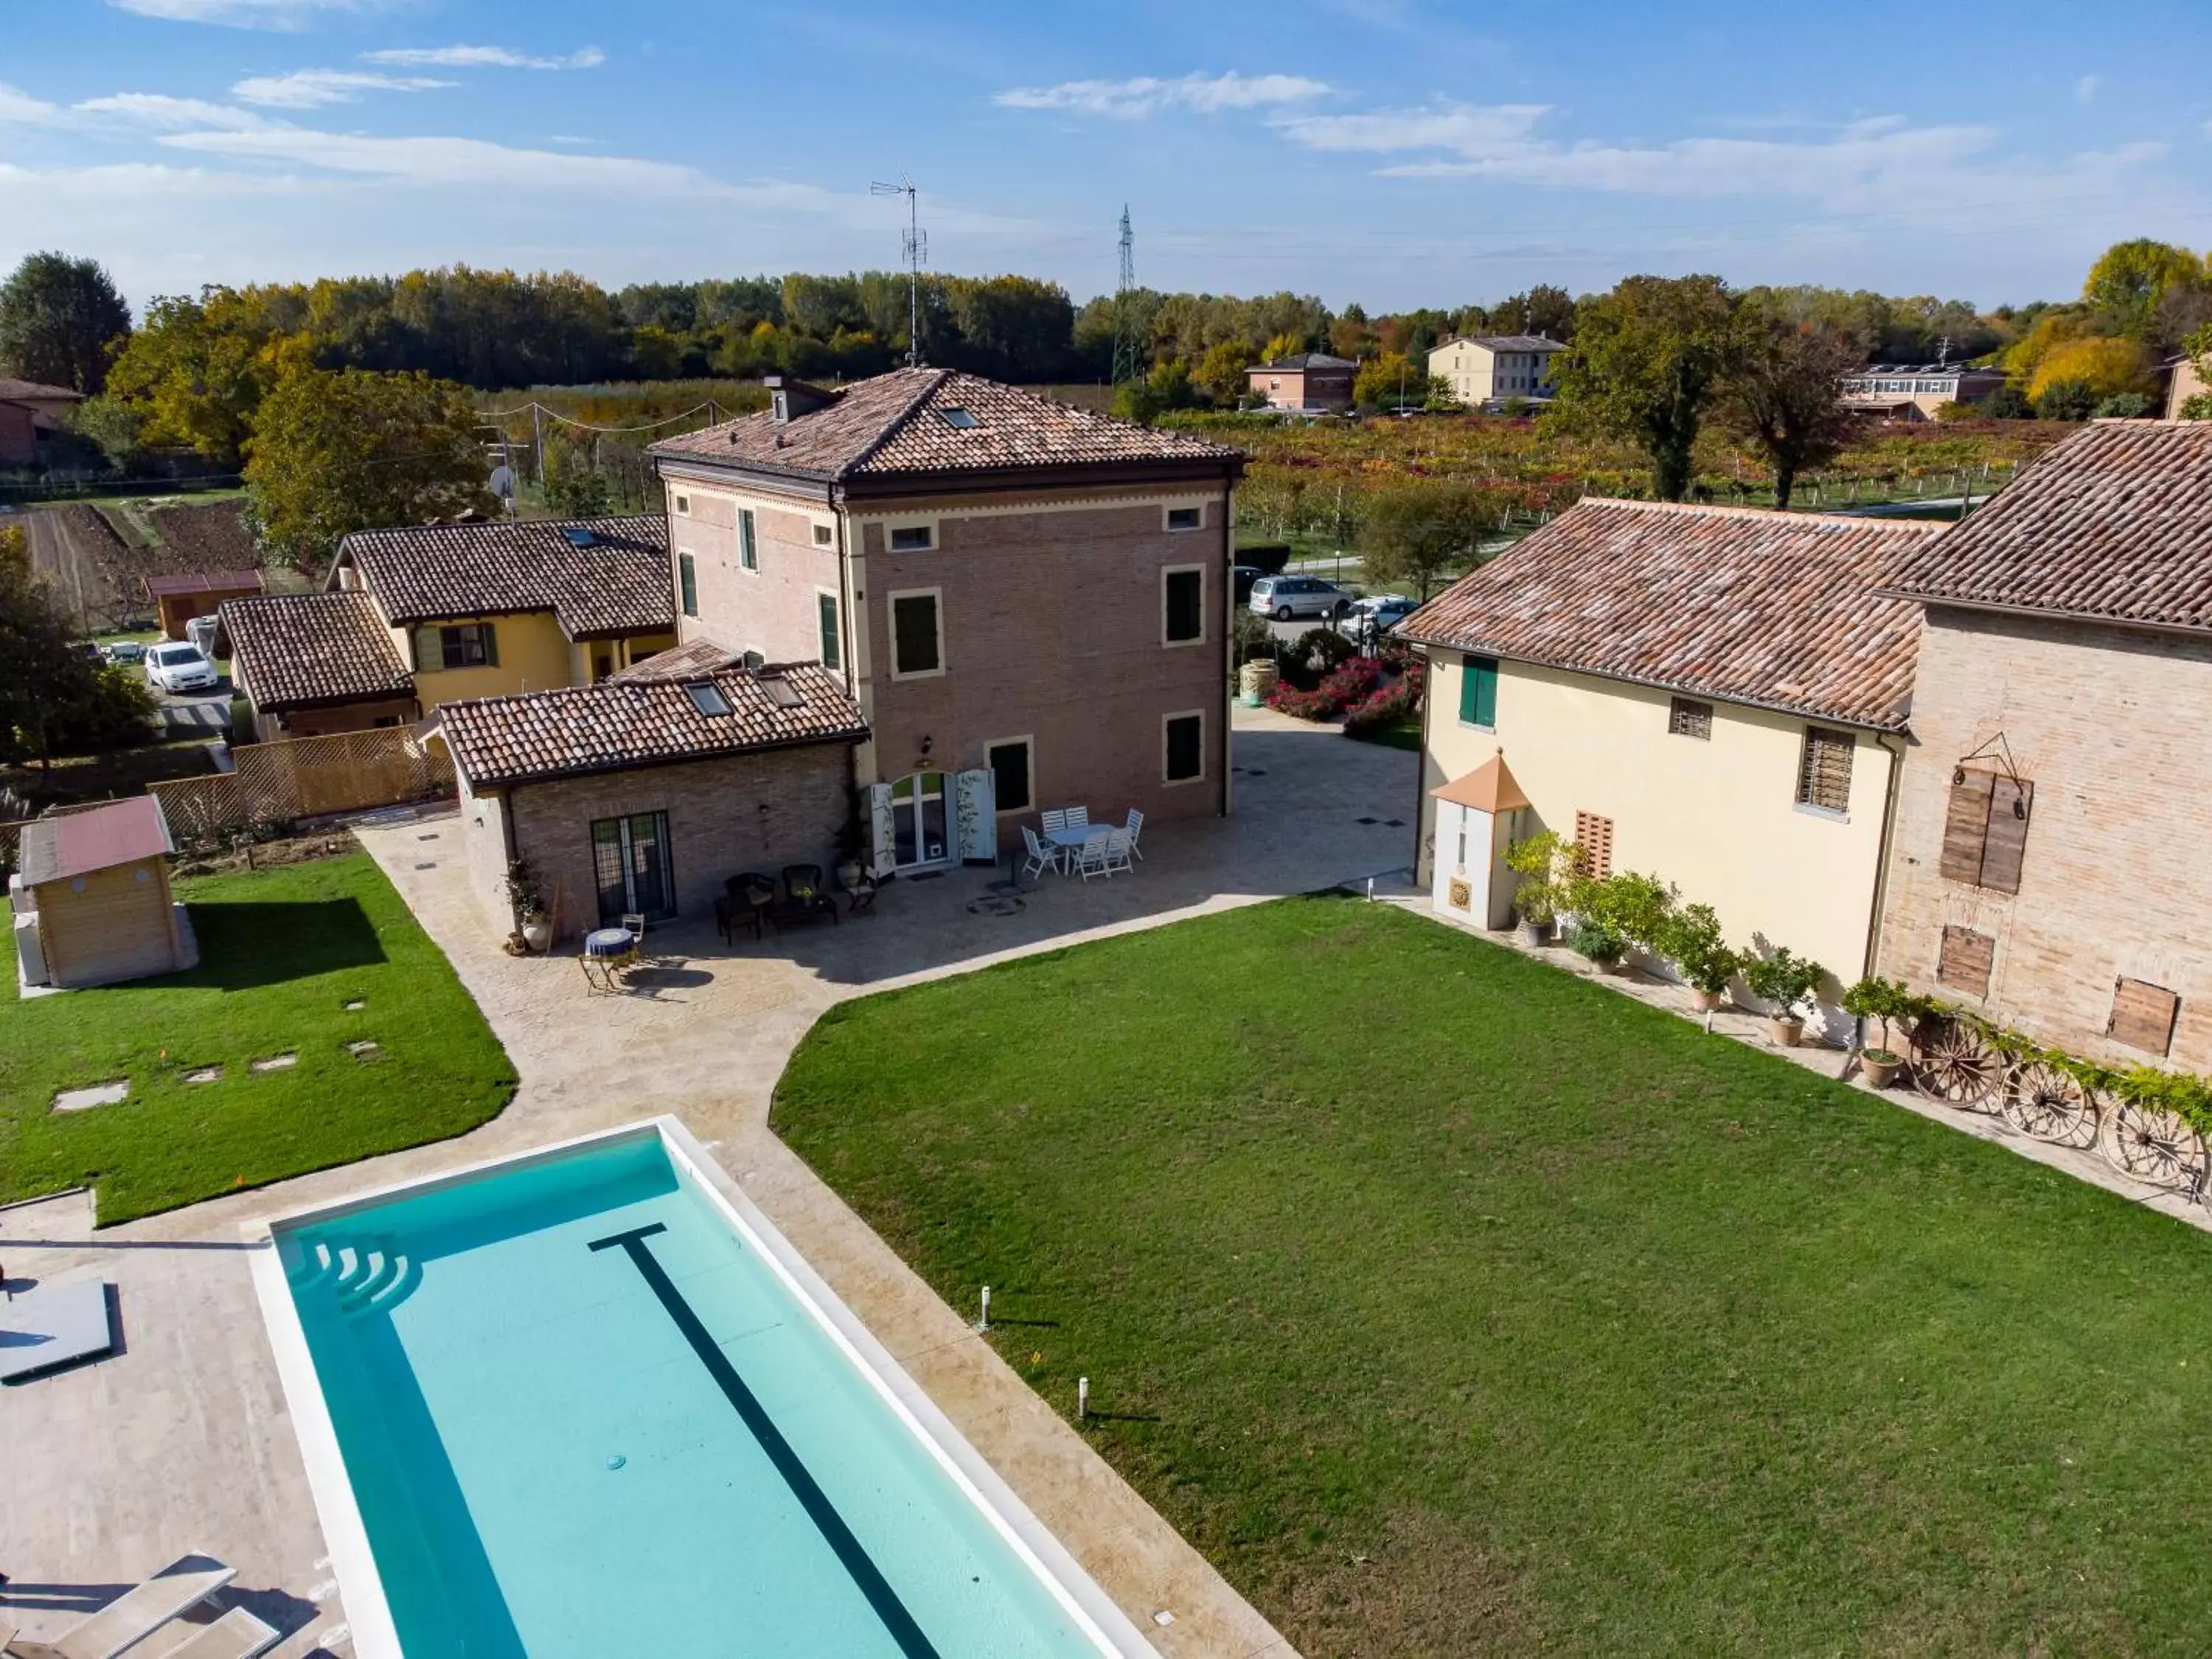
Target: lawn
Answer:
pixel 1453 1304
pixel 283 952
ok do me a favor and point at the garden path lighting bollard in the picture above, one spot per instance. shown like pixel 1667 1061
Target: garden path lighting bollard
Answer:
pixel 984 1323
pixel 1082 1398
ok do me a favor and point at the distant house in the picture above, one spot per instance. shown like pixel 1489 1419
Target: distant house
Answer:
pixel 1914 391
pixel 1311 382
pixel 91 900
pixel 2183 382
pixel 2049 866
pixel 179 599
pixel 462 611
pixel 29 414
pixel 1713 694
pixel 1487 369
pixel 645 792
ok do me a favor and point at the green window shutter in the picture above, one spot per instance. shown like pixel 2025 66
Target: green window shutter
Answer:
pixel 429 656
pixel 491 645
pixel 826 607
pixel 748 549
pixel 1478 691
pixel 687 575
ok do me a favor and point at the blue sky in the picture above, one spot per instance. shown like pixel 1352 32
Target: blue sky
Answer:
pixel 1383 150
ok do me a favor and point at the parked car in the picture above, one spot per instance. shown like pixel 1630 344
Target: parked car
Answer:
pixel 1286 597
pixel 1245 574
pixel 125 653
pixel 176 668
pixel 1368 620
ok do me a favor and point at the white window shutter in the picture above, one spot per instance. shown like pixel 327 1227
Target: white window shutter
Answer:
pixel 882 845
pixel 976 822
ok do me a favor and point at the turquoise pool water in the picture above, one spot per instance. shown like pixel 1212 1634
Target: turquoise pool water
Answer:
pixel 582 1416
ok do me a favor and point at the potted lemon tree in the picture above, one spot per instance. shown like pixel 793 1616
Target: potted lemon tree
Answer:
pixel 1786 980
pixel 1691 938
pixel 1884 1000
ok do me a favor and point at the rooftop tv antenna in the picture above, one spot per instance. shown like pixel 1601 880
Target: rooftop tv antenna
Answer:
pixel 1128 365
pixel 915 250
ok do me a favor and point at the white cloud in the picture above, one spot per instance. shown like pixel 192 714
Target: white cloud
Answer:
pixel 158 109
pixel 313 88
pixel 20 107
pixel 1880 164
pixel 444 162
pixel 240 14
pixel 1207 95
pixel 2085 90
pixel 482 57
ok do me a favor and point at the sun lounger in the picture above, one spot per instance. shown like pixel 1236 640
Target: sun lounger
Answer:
pixel 134 1615
pixel 237 1635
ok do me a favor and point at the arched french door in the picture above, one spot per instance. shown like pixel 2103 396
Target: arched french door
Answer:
pixel 919 822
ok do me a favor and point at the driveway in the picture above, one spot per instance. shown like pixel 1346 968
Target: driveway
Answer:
pixel 182 1443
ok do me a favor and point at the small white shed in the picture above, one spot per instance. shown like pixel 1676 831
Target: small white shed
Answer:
pixel 1477 815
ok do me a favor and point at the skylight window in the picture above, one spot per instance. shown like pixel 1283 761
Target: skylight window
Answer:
pixel 782 693
pixel 707 699
pixel 958 418
pixel 578 536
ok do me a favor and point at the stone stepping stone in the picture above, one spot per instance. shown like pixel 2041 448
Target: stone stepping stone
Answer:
pixel 276 1062
pixel 95 1094
pixel 365 1049
pixel 205 1074
pixel 356 1005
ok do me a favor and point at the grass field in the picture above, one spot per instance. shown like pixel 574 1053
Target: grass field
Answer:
pixel 282 953
pixel 1451 1304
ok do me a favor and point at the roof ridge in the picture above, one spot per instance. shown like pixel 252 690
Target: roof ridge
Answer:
pixel 898 422
pixel 1723 509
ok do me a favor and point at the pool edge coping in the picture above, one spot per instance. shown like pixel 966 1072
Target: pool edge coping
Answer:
pixel 1101 1620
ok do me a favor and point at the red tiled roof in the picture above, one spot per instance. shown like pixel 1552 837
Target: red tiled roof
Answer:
pixel 620 724
pixel 1777 609
pixel 302 650
pixel 620 584
pixel 205 582
pixel 13 390
pixel 97 838
pixel 695 660
pixel 2113 523
pixel 894 424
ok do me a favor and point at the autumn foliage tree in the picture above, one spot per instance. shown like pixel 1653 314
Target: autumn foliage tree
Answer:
pixel 1411 535
pixel 1780 393
pixel 336 451
pixel 59 317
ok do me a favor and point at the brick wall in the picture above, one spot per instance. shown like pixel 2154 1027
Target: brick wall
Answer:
pixel 1052 627
pixel 757 811
pixel 773 610
pixel 2113 879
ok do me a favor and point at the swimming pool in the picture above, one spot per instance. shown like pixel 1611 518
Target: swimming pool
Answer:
pixel 589 1403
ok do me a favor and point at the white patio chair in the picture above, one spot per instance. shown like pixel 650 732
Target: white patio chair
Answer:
pixel 1054 818
pixel 1043 855
pixel 1118 848
pixel 1090 857
pixel 1078 817
pixel 1134 826
pixel 134 1615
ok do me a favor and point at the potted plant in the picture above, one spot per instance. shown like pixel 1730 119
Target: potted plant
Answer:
pixel 1691 938
pixel 532 923
pixel 1883 1000
pixel 1598 942
pixel 1539 861
pixel 852 843
pixel 1787 980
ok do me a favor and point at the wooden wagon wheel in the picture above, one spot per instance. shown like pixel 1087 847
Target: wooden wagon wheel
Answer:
pixel 2049 1104
pixel 1951 1062
pixel 2155 1146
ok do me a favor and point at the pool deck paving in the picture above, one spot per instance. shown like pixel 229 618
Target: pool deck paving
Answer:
pixel 182 1441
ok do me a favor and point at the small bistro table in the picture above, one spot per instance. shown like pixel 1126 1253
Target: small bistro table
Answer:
pixel 607 951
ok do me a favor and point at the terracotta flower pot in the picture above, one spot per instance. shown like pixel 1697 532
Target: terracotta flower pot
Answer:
pixel 1704 1001
pixel 1880 1073
pixel 1787 1032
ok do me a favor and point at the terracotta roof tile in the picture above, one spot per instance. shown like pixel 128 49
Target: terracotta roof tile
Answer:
pixel 298 650
pixel 205 582
pixel 688 661
pixel 1772 608
pixel 2113 522
pixel 894 424
pixel 619 584
pixel 619 724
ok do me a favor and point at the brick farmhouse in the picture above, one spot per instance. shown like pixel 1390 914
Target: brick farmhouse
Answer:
pixel 2044 866
pixel 1028 602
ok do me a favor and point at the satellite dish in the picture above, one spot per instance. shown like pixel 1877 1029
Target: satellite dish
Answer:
pixel 502 482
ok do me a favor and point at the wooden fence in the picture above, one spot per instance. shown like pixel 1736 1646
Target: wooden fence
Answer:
pixel 295 778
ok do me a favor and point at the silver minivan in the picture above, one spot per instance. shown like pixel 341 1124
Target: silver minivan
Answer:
pixel 1286 597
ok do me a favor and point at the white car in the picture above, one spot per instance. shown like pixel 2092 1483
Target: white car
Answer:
pixel 1371 618
pixel 176 668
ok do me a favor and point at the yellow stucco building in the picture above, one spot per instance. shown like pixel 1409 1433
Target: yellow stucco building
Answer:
pixel 1714 695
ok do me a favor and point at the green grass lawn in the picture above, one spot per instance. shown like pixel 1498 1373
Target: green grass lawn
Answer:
pixel 282 952
pixel 1452 1304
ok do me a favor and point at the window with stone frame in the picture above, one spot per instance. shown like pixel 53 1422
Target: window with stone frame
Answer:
pixel 1688 718
pixel 1824 769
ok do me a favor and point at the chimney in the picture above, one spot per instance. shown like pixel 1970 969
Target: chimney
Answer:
pixel 789 398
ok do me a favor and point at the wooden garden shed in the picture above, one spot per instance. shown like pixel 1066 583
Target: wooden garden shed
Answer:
pixel 91 897
pixel 179 598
